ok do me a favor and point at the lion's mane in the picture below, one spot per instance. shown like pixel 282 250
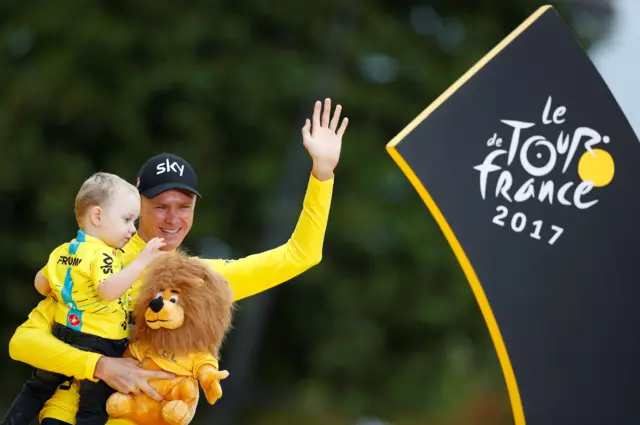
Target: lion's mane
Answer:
pixel 205 296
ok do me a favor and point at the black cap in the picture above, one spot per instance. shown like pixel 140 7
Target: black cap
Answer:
pixel 165 172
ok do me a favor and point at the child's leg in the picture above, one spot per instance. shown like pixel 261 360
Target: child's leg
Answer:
pixel 32 397
pixel 92 409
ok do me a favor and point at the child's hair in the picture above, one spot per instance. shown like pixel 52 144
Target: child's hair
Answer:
pixel 97 190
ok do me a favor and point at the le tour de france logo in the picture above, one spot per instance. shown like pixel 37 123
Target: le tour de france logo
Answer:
pixel 580 154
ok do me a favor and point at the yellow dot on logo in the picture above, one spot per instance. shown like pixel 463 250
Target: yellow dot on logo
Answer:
pixel 596 166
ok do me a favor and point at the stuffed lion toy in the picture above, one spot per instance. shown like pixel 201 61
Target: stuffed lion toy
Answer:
pixel 182 316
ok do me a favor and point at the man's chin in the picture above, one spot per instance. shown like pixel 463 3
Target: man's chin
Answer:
pixel 171 246
pixel 171 241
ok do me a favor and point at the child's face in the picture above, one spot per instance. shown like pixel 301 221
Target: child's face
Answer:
pixel 117 224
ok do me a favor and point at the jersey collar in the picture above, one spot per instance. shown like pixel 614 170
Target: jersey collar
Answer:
pixel 83 237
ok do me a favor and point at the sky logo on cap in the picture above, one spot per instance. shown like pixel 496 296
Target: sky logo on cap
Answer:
pixel 168 166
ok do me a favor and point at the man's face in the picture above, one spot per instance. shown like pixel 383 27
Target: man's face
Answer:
pixel 168 215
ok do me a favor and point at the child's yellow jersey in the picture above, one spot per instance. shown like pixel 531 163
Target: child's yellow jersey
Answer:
pixel 75 270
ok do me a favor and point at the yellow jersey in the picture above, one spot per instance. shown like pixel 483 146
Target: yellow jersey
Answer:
pixel 33 343
pixel 75 270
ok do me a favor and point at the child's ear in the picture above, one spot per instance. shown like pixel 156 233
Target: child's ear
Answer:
pixel 95 215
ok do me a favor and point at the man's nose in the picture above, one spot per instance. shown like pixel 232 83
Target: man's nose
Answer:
pixel 156 304
pixel 172 218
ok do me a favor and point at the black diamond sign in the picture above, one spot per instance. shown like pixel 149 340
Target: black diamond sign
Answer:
pixel 532 171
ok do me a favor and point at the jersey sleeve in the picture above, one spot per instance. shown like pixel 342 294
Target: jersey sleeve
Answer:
pixel 34 344
pixel 45 272
pixel 259 272
pixel 103 265
pixel 51 263
pixel 201 360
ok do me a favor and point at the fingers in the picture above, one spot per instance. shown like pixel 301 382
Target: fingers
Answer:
pixel 326 113
pixel 144 386
pixel 155 245
pixel 323 121
pixel 343 127
pixel 126 361
pixel 306 130
pixel 129 378
pixel 149 391
pixel 336 118
pixel 158 242
pixel 316 115
pixel 157 374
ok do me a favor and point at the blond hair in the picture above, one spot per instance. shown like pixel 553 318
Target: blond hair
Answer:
pixel 97 190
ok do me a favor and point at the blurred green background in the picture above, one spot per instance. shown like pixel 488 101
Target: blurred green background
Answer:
pixel 386 328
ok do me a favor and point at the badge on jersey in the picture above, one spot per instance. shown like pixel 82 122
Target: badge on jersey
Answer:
pixel 74 319
pixel 532 172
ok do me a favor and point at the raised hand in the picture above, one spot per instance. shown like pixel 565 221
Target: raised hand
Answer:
pixel 152 251
pixel 323 139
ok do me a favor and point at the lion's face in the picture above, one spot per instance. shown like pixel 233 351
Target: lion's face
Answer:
pixel 183 306
pixel 165 311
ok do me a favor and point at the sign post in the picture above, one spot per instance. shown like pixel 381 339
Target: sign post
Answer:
pixel 532 172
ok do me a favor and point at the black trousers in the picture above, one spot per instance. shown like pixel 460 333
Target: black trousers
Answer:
pixel 92 409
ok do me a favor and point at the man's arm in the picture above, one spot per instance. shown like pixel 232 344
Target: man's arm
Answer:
pixel 259 272
pixel 34 344
pixel 256 273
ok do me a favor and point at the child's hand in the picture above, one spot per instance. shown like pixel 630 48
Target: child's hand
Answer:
pixel 151 251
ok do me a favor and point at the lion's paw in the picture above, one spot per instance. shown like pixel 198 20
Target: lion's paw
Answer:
pixel 120 405
pixel 176 412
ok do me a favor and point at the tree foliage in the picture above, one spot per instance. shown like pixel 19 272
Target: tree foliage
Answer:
pixel 387 324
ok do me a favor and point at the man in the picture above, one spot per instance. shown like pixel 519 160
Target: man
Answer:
pixel 168 188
